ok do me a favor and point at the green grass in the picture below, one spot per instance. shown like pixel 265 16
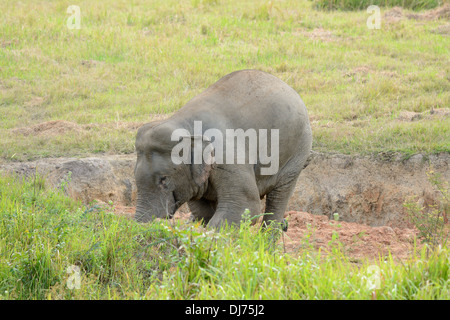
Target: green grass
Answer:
pixel 44 234
pixel 132 61
pixel 364 4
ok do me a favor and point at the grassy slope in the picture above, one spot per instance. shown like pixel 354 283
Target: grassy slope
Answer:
pixel 150 58
pixel 43 233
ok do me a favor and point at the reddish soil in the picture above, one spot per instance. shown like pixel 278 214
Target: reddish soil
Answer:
pixel 358 241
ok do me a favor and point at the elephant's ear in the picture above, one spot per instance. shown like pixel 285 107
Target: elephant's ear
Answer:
pixel 201 166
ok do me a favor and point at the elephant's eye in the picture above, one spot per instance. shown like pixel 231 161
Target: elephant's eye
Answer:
pixel 163 181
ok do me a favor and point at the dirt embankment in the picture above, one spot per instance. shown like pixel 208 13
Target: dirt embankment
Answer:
pixel 367 192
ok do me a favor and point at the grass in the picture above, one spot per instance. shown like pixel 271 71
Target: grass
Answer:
pixel 364 4
pixel 132 62
pixel 431 222
pixel 45 236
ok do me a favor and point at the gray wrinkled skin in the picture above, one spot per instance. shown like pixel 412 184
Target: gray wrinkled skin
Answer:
pixel 220 193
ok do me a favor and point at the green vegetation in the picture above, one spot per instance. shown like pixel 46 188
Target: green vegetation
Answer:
pixel 363 4
pixel 133 61
pixel 431 221
pixel 47 239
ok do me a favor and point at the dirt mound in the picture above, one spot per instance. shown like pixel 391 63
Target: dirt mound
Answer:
pixel 430 114
pixel 393 15
pixel 438 13
pixel 55 127
pixel 320 34
pixel 309 231
pixel 358 241
pixel 58 127
pixel 396 14
pixel 444 30
pixel 91 63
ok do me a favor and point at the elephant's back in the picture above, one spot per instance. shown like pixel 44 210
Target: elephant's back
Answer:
pixel 256 99
pixel 249 89
pixel 250 98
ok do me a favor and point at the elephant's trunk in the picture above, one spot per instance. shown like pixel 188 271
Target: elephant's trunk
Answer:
pixel 149 208
pixel 143 213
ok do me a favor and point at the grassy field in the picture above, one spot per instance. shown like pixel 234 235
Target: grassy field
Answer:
pixel 363 4
pixel 133 61
pixel 75 92
pixel 53 248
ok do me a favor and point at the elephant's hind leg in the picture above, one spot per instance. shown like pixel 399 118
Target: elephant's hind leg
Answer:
pixel 277 199
pixel 276 204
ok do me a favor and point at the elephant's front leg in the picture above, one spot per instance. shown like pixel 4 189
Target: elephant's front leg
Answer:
pixel 202 210
pixel 236 192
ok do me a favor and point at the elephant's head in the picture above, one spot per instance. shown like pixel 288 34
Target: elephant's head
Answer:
pixel 163 185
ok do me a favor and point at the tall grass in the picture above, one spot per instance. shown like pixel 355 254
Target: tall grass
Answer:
pixel 364 4
pixel 43 234
pixel 132 60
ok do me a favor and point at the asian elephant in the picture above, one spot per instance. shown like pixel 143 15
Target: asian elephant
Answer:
pixel 245 137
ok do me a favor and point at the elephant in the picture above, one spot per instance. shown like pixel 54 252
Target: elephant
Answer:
pixel 244 106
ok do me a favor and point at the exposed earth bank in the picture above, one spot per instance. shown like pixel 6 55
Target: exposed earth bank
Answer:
pixel 367 192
